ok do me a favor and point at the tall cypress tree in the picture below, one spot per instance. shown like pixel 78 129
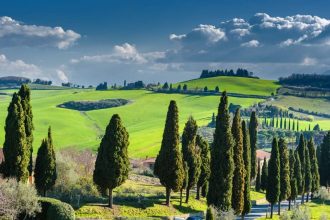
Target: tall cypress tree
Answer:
pixel 315 178
pixel 112 164
pixel 247 166
pixel 308 174
pixel 273 182
pixel 293 179
pixel 222 164
pixel 298 174
pixel 253 129
pixel 285 186
pixel 25 95
pixel 239 170
pixel 301 149
pixel 284 123
pixel 45 173
pixel 191 154
pixel 264 175
pixel 258 179
pixel 325 160
pixel 15 150
pixel 185 180
pixel 205 164
pixel 281 123
pixel 169 163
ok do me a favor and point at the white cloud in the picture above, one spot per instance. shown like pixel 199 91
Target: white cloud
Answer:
pixel 307 61
pixel 62 76
pixel 18 68
pixel 125 53
pixel 251 43
pixel 15 33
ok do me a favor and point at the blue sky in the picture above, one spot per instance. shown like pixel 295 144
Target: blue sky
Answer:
pixel 157 40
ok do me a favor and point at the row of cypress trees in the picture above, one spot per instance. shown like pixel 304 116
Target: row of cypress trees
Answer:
pixel 282 123
pixel 291 173
pixel 18 149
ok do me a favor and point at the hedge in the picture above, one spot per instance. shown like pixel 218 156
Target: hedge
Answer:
pixel 53 209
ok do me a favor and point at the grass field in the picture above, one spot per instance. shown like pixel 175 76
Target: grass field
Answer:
pixel 144 117
pixel 241 85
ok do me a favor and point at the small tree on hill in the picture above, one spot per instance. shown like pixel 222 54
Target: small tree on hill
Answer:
pixel 169 163
pixel 205 164
pixel 191 154
pixel 217 89
pixel 253 129
pixel 285 186
pixel 112 164
pixel 273 182
pixel 264 175
pixel 45 173
pixel 247 166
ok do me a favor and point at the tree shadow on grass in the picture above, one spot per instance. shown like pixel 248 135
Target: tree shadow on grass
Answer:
pixel 142 202
pixel 320 202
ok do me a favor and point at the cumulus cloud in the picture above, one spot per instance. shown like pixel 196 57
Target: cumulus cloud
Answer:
pixel 62 76
pixel 18 68
pixel 300 39
pixel 125 53
pixel 15 33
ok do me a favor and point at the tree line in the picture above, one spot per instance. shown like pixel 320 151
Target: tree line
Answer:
pixel 239 73
pixel 307 80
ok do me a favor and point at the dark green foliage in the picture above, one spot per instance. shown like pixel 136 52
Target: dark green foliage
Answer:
pixel 293 178
pixel 45 170
pixel 190 153
pixel 247 166
pixel 169 162
pixel 258 179
pixel 15 149
pixel 264 175
pixel 210 214
pixel 205 189
pixel 253 126
pixel 205 89
pixel 185 180
pixel 273 181
pixel 298 175
pixel 284 170
pixel 217 89
pixel 239 170
pixel 325 161
pixel 301 149
pixel 315 178
pixel 112 163
pixel 25 95
pixel 55 209
pixel 222 164
pixel 308 174
pixel 205 163
pixel 285 123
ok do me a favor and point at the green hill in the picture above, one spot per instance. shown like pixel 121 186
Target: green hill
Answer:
pixel 241 85
pixel 144 116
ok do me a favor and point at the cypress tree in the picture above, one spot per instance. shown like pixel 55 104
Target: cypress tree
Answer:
pixel 210 214
pixel 298 174
pixel 293 125
pixel 302 152
pixel 289 124
pixel 285 186
pixel 273 181
pixel 205 189
pixel 315 176
pixel 325 161
pixel 264 175
pixel 25 95
pixel 205 164
pixel 112 164
pixel 308 174
pixel 45 173
pixel 281 123
pixel 258 179
pixel 222 164
pixel 191 154
pixel 277 122
pixel 247 166
pixel 185 180
pixel 239 170
pixel 169 163
pixel 284 123
pixel 293 179
pixel 253 143
pixel 297 125
pixel 15 150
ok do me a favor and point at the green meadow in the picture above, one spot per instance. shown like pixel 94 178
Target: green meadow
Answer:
pixel 241 85
pixel 144 117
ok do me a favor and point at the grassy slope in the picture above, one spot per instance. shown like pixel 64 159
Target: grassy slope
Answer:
pixel 144 118
pixel 235 85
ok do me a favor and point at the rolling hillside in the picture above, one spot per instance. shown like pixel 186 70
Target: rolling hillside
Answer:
pixel 241 85
pixel 144 117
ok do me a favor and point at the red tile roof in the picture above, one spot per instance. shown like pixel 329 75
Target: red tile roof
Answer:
pixel 261 154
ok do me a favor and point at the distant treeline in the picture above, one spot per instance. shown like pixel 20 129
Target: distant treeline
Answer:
pixel 239 73
pixel 307 80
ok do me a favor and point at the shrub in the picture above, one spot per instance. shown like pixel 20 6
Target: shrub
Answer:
pixel 53 209
pixel 298 213
pixel 323 194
